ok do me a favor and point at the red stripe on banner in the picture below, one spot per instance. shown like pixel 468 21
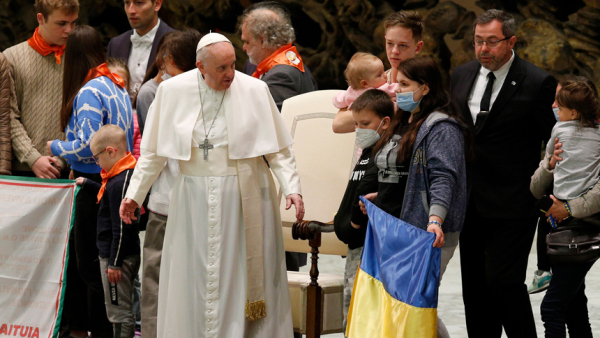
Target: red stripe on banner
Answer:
pixel 38 185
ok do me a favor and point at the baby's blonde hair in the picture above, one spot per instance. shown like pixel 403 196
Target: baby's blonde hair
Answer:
pixel 109 135
pixel 358 68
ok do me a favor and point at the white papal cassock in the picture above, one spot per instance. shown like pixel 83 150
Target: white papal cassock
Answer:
pixel 202 290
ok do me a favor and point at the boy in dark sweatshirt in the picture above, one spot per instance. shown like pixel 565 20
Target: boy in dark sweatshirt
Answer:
pixel 372 113
pixel 118 243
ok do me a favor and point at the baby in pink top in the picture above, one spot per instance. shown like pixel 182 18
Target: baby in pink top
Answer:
pixel 364 72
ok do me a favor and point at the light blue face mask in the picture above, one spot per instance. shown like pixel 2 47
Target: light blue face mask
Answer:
pixel 406 101
pixel 555 111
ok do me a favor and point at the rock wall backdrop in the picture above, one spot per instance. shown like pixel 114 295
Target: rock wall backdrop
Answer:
pixel 562 37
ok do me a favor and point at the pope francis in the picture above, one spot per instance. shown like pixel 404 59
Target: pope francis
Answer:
pixel 223 267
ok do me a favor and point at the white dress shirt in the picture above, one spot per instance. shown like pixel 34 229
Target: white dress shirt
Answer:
pixel 480 84
pixel 141 46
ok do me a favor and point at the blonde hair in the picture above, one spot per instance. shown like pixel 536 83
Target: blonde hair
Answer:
pixel 109 135
pixel 120 65
pixel 358 68
pixel 47 7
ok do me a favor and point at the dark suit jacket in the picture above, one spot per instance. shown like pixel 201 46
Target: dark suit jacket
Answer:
pixel 507 147
pixel 120 46
pixel 285 81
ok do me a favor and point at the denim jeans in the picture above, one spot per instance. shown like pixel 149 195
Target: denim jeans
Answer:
pixel 565 303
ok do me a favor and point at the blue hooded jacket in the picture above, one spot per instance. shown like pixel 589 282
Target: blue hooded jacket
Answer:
pixel 437 182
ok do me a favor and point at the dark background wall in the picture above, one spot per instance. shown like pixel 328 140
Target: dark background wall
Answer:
pixel 560 36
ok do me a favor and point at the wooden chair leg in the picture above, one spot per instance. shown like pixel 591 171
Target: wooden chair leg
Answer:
pixel 314 295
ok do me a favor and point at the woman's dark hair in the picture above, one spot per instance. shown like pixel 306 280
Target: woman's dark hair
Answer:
pixel 425 71
pixel 180 47
pixel 84 51
pixel 579 95
pixel 156 66
pixel 376 101
pixel 158 63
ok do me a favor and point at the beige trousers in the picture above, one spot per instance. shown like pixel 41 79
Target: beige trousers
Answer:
pixel 153 244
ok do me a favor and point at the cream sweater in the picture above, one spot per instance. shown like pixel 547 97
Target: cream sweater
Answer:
pixel 36 112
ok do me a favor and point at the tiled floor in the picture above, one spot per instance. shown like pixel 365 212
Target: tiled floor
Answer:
pixel 450 307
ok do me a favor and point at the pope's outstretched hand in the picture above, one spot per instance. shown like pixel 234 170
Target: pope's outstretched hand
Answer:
pixel 294 199
pixel 127 210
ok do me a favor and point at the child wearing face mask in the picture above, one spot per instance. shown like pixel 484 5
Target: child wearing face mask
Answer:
pixel 372 112
pixel 364 72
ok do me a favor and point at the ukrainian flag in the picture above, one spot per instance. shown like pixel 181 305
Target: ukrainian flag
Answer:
pixel 396 287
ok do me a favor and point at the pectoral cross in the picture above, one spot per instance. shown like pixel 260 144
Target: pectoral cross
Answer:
pixel 206 146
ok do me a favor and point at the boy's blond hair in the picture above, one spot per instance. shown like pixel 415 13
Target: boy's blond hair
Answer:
pixel 47 7
pixel 109 135
pixel 358 68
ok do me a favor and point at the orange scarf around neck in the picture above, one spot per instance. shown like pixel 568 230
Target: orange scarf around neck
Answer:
pixel 127 162
pixel 286 55
pixel 103 70
pixel 41 46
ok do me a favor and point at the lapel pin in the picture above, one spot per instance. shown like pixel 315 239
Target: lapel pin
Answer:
pixel 513 83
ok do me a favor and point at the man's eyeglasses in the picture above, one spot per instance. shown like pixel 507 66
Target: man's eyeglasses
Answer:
pixel 490 43
pixel 95 157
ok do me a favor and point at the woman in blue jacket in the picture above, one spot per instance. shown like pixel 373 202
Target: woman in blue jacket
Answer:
pixel 92 97
pixel 421 159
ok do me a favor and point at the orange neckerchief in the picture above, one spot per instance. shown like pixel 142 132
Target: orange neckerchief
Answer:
pixel 103 70
pixel 39 45
pixel 286 55
pixel 127 162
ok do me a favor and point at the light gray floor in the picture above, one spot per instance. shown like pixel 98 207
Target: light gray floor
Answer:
pixel 450 306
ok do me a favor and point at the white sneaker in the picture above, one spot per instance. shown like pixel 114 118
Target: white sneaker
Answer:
pixel 541 281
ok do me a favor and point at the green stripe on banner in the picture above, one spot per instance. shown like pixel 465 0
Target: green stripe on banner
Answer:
pixel 35 179
pixel 64 281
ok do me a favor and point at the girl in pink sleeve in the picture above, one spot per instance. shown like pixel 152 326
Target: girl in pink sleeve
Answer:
pixel 364 72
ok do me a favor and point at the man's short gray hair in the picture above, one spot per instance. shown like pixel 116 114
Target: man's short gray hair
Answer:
pixel 275 31
pixel 509 25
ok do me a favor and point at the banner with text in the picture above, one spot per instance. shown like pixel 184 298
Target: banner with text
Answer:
pixel 36 217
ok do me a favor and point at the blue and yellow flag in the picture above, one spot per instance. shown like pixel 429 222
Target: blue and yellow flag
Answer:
pixel 396 287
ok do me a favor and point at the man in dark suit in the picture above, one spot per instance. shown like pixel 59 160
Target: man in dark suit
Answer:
pixel 137 47
pixel 507 102
pixel 268 34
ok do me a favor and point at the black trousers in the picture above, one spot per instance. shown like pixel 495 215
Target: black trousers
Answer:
pixel 84 296
pixel 565 303
pixel 543 229
pixel 493 257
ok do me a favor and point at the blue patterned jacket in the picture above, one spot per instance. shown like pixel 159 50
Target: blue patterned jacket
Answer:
pixel 98 102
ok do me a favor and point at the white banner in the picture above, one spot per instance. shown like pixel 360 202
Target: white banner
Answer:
pixel 35 220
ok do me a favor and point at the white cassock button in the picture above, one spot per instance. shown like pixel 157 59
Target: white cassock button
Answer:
pixel 212 198
pixel 211 255
pixel 209 320
pixel 212 245
pixel 212 189
pixel 211 264
pixel 210 293
pixel 209 311
pixel 211 180
pixel 211 236
pixel 210 302
pixel 210 273
pixel 209 283
pixel 212 208
pixel 212 226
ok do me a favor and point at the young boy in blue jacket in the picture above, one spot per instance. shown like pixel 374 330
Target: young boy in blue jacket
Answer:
pixel 118 243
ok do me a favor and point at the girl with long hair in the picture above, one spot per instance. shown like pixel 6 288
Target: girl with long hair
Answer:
pixel 421 159
pixel 92 97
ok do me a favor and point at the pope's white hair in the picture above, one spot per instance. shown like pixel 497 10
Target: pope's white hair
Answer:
pixel 204 52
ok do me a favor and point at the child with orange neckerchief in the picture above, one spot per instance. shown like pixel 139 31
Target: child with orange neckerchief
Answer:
pixel 118 243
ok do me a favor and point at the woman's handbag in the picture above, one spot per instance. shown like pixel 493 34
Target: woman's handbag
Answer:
pixel 578 241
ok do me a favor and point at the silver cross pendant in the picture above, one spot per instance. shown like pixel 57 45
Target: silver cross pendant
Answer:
pixel 206 146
